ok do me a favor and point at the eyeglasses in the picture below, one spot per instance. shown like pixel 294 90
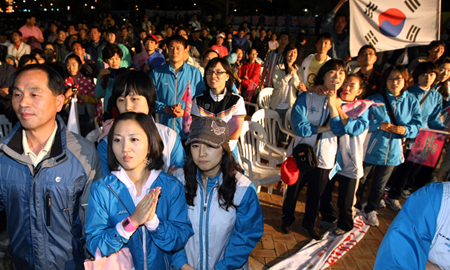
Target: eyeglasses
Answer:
pixel 367 54
pixel 218 73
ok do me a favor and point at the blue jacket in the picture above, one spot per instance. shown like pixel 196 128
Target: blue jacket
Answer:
pixel 385 148
pixel 42 236
pixel 170 89
pixel 105 210
pixel 173 153
pixel 223 239
pixel 431 108
pixel 420 232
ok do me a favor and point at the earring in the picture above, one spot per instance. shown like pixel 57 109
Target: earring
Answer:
pixel 148 161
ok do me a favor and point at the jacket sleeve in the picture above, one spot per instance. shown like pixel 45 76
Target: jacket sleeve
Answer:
pixel 173 232
pixel 248 230
pixel 407 242
pixel 102 149
pixel 299 120
pixel 354 127
pixel 178 156
pixel 413 126
pixel 179 259
pixel 280 79
pixel 199 84
pixel 99 232
pixel 126 61
pixel 159 106
pixel 434 121
pixel 99 90
pixel 254 77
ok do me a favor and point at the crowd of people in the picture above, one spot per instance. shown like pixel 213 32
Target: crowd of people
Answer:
pixel 164 178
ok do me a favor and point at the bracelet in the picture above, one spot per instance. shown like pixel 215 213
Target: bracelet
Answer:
pixel 128 225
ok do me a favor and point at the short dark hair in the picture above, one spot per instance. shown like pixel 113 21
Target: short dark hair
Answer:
pixel 54 81
pixel 179 39
pixel 332 64
pixel 78 42
pixel 37 51
pixel 208 52
pixel 76 57
pixel 25 58
pixel 155 144
pixel 424 67
pixel 18 32
pixel 180 28
pixel 435 43
pixel 138 82
pixel 365 47
pixel 283 33
pixel 110 50
pixel 400 68
pixel 96 27
pixel 113 30
pixel 326 36
pixel 212 63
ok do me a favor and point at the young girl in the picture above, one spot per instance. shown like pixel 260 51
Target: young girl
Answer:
pixel 352 133
pixel 223 205
pixel 310 115
pixel 386 132
pixel 137 205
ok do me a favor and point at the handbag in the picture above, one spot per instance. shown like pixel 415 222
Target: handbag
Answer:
pixel 121 260
pixel 289 171
pixel 305 157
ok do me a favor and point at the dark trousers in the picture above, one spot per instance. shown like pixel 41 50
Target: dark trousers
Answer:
pixel 347 189
pixel 327 209
pixel 380 178
pixel 404 173
pixel 317 180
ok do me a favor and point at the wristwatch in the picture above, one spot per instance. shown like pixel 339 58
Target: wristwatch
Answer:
pixel 128 225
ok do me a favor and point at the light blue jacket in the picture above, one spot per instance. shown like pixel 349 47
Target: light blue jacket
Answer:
pixel 170 89
pixel 420 232
pixel 431 108
pixel 223 239
pixel 105 210
pixel 385 148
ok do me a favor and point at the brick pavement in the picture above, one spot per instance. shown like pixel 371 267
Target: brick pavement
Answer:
pixel 275 246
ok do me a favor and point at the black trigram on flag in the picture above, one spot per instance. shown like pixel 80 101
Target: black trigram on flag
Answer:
pixel 370 8
pixel 412 33
pixel 413 5
pixel 371 38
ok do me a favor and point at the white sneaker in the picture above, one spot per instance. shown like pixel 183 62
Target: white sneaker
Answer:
pixel 372 219
pixel 406 193
pixel 393 203
pixel 382 204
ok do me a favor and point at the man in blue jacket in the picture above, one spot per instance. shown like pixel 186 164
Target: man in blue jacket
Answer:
pixel 45 176
pixel 171 81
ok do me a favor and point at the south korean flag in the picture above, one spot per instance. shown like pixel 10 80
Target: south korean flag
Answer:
pixel 390 25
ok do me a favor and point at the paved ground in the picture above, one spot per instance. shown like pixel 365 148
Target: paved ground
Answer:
pixel 275 246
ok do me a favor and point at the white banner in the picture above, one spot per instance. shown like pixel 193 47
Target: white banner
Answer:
pixel 390 25
pixel 323 253
pixel 73 124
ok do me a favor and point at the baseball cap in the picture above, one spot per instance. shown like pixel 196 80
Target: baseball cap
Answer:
pixel 210 130
pixel 220 35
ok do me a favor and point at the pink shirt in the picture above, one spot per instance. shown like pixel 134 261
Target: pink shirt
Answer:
pixel 222 50
pixel 33 32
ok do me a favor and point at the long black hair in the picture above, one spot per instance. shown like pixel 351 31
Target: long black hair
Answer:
pixel 287 49
pixel 228 167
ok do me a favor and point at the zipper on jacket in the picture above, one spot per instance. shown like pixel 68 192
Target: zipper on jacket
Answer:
pixel 175 100
pixel 48 201
pixel 205 208
pixel 390 134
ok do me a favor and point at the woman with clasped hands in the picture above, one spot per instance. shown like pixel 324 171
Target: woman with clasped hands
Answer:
pixel 137 206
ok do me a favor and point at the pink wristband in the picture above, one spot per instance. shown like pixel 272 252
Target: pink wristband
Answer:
pixel 128 225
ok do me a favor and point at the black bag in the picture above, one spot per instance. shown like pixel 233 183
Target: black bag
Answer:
pixel 305 157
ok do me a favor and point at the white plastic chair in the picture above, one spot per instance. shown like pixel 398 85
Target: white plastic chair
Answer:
pixel 271 122
pixel 287 120
pixel 5 126
pixel 264 96
pixel 252 135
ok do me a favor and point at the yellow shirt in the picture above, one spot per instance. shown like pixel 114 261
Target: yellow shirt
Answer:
pixel 35 159
pixel 314 68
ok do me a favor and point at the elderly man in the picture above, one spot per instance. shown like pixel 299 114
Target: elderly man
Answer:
pixel 45 176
